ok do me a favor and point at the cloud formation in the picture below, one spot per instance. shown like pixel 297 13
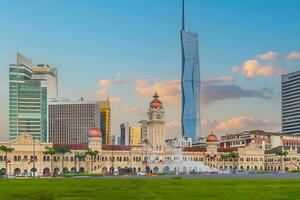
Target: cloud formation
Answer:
pixel 221 79
pixel 114 100
pixel 102 92
pixel 107 83
pixel 269 56
pixel 252 68
pixel 294 55
pixel 134 110
pixel 212 93
pixel 169 91
pixel 242 123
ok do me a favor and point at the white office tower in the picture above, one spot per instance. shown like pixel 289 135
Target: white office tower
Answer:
pixel 49 79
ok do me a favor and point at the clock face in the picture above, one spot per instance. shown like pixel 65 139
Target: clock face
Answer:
pixel 158 116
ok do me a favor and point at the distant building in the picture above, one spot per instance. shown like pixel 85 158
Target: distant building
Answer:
pixel 119 140
pixel 70 121
pixel 179 142
pixel 113 140
pixel 27 101
pixel 105 122
pixel 265 140
pixel 49 79
pixel 290 103
pixel 144 129
pixel 124 128
pixel 135 135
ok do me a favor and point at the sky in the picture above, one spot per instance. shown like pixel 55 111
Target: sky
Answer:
pixel 127 49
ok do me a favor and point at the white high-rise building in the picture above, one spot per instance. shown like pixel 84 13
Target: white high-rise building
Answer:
pixel 290 102
pixel 49 79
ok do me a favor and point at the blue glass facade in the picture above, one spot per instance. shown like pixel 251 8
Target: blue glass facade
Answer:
pixel 190 83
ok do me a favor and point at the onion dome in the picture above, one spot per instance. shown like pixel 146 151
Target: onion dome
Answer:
pixel 155 103
pixel 95 132
pixel 211 138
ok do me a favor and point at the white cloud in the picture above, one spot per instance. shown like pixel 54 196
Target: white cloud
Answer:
pixel 242 123
pixel 168 90
pixel 114 100
pixel 269 56
pixel 134 110
pixel 221 79
pixel 294 55
pixel 252 68
pixel 102 92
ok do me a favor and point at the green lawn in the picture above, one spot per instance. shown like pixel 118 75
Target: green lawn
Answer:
pixel 204 189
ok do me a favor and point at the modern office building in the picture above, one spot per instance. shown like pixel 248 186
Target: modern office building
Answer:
pixel 190 83
pixel 124 128
pixel 27 101
pixel 144 129
pixel 179 142
pixel 49 79
pixel 105 122
pixel 135 135
pixel 70 121
pixel 290 102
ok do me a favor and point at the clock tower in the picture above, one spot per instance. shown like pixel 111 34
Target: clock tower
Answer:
pixel 156 124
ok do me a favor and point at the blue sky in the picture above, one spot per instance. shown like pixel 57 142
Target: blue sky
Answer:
pixel 135 44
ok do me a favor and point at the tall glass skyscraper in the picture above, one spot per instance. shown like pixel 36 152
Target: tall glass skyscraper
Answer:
pixel 190 83
pixel 27 102
pixel 290 102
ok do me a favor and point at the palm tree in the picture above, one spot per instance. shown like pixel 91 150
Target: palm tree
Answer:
pixel 80 157
pixel 6 150
pixel 281 153
pixel 62 151
pixel 233 155
pixel 92 154
pixel 50 151
pixel 224 157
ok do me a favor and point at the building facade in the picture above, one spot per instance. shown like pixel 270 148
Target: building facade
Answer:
pixel 49 79
pixel 290 103
pixel 124 133
pixel 105 120
pixel 258 152
pixel 27 101
pixel 135 136
pixel 28 156
pixel 70 121
pixel 190 83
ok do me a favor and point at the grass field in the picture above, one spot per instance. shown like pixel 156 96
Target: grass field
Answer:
pixel 204 189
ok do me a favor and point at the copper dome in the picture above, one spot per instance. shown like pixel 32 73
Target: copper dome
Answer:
pixel 95 132
pixel 211 138
pixel 155 103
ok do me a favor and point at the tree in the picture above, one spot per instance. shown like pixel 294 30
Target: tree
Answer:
pixel 92 154
pixel 224 157
pixel 233 155
pixel 281 153
pixel 80 156
pixel 6 150
pixel 50 151
pixel 62 151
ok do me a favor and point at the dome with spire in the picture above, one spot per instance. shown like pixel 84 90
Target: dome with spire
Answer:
pixel 156 103
pixel 95 132
pixel 211 137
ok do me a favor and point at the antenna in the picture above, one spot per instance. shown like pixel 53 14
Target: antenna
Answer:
pixel 182 15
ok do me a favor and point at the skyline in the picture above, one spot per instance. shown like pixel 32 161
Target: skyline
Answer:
pixel 130 80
